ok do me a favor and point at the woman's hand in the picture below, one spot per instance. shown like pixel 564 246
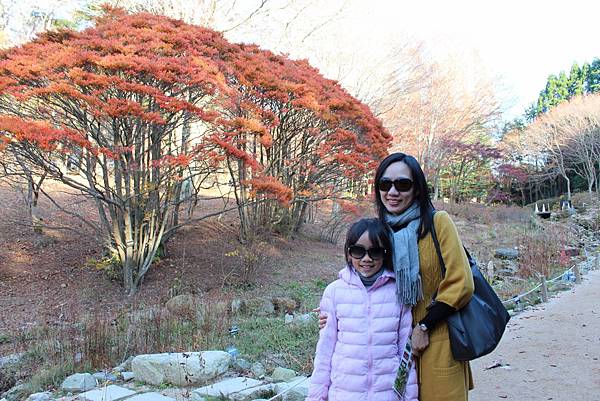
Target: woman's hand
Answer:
pixel 419 341
pixel 322 318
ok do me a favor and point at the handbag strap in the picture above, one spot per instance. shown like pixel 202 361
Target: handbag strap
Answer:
pixel 437 245
pixel 438 249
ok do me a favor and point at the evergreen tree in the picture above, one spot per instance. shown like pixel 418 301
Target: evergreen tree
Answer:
pixel 576 81
pixel 593 79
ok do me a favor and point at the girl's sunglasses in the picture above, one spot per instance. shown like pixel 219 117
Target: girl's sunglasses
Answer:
pixel 359 252
pixel 401 184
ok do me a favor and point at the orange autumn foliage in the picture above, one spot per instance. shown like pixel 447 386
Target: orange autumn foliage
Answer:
pixel 144 99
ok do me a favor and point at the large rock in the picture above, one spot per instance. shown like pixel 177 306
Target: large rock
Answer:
pixel 180 369
pixel 78 382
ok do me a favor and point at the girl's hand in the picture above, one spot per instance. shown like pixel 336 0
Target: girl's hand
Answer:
pixel 419 341
pixel 322 318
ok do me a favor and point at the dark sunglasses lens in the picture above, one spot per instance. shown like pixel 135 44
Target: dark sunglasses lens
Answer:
pixel 385 185
pixel 376 253
pixel 403 184
pixel 357 252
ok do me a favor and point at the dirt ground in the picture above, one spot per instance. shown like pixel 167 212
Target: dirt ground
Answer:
pixel 551 352
pixel 49 279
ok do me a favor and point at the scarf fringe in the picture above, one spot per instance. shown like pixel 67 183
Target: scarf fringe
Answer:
pixel 409 292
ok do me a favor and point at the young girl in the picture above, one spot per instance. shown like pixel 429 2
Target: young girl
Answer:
pixel 361 347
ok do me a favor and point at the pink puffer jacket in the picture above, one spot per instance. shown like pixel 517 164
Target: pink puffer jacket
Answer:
pixel 358 352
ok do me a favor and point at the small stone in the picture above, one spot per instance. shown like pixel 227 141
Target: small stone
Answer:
pixel 237 306
pixel 242 364
pixel 45 396
pixel 127 376
pixel 289 318
pixel 78 382
pixel 506 253
pixel 78 357
pixel 104 377
pixel 283 375
pixel 11 359
pixel 258 370
pixel 16 393
pixel 125 366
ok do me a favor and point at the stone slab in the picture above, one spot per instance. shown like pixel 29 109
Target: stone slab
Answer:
pixel 227 387
pixel 108 393
pixel 253 393
pixel 150 397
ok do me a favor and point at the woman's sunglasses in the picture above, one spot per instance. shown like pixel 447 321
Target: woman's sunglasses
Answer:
pixel 359 252
pixel 401 184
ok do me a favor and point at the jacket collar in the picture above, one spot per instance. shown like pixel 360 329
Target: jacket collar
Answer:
pixel 349 275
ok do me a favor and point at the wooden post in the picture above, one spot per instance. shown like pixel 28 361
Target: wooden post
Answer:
pixel 544 289
pixel 577 274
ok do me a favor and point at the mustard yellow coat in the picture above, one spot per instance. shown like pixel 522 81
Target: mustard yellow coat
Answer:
pixel 441 378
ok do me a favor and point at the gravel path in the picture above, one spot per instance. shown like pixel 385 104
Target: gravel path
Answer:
pixel 551 352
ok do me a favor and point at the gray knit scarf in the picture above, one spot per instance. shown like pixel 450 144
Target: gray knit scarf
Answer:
pixel 406 254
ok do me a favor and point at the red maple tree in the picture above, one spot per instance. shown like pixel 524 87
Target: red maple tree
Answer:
pixel 292 137
pixel 143 108
pixel 116 101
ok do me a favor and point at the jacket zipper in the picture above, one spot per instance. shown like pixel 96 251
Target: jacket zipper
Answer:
pixel 369 345
pixel 376 284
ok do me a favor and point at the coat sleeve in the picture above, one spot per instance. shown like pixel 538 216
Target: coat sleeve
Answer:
pixel 321 376
pixel 411 393
pixel 457 286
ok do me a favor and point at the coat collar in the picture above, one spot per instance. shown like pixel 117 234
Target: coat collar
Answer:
pixel 350 276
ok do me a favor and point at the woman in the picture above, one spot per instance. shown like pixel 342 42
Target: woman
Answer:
pixel 403 202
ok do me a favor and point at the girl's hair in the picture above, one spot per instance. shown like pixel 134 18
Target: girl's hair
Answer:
pixel 420 187
pixel 379 235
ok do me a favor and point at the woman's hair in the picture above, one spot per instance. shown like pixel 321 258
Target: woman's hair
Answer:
pixel 420 187
pixel 379 235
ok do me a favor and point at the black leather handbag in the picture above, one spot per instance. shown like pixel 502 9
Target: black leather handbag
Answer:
pixel 475 329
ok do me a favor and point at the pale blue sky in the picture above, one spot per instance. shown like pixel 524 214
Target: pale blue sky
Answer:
pixel 521 40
